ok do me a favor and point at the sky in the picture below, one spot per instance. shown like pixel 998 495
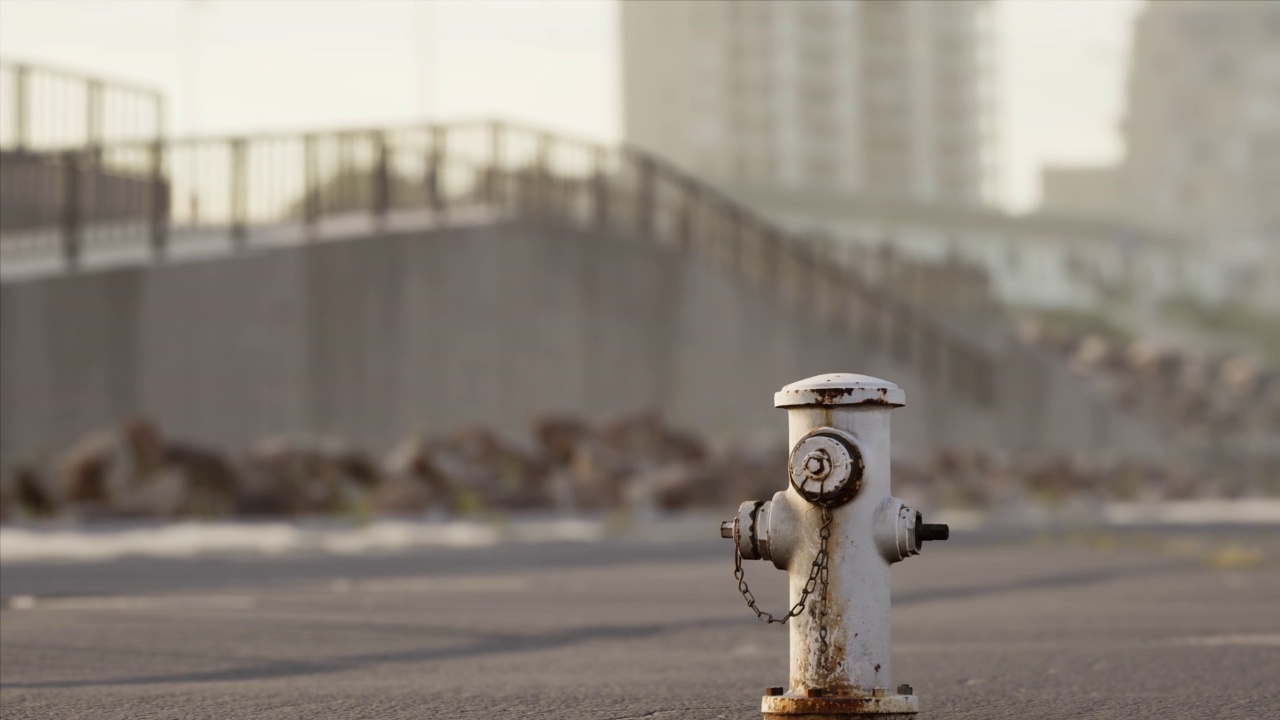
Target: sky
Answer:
pixel 231 66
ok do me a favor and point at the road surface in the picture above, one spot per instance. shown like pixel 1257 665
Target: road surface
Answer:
pixel 1182 624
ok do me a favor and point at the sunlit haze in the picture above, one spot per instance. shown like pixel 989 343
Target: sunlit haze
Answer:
pixel 283 64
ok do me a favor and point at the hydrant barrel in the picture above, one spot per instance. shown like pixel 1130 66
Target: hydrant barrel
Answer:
pixel 836 529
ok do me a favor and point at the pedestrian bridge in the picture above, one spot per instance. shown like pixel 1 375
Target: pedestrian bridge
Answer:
pixel 372 283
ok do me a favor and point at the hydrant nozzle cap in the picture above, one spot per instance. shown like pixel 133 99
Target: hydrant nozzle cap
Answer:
pixel 840 389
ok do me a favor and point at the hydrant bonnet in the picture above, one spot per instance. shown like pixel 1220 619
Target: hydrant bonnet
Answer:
pixel 840 389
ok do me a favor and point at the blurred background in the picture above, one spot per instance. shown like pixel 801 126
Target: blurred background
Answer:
pixel 473 259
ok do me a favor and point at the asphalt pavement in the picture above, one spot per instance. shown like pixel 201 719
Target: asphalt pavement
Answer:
pixel 1143 624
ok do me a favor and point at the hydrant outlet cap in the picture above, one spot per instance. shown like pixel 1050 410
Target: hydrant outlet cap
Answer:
pixel 840 389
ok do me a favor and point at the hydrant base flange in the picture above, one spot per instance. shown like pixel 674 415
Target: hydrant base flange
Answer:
pixel 794 707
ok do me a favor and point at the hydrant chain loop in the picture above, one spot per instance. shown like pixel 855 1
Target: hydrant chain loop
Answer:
pixel 825 535
pixel 817 575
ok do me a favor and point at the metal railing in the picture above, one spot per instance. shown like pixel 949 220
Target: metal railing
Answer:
pixel 244 191
pixel 43 108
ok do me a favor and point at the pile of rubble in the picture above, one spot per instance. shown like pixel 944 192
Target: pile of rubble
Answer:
pixel 1206 395
pixel 978 480
pixel 568 465
pixel 565 465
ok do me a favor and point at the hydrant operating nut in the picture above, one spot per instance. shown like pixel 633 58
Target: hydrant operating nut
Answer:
pixel 826 467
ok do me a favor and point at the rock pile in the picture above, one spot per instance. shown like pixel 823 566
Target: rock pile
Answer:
pixel 568 465
pixel 1221 394
pixel 565 465
pixel 1221 412
pixel 966 479
pixel 133 471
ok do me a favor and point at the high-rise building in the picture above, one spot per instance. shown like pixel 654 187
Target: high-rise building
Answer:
pixel 1202 133
pixel 1202 128
pixel 878 100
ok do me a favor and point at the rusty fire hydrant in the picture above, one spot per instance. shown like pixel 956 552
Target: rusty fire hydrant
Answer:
pixel 835 530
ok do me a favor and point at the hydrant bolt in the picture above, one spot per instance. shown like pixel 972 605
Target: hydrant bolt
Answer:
pixel 817 465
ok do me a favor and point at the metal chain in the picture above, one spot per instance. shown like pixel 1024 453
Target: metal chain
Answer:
pixel 825 534
pixel 817 576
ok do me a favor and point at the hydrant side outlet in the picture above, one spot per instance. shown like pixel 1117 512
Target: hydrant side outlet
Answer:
pixel 836 529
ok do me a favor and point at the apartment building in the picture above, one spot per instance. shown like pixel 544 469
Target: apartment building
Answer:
pixel 875 100
pixel 1201 131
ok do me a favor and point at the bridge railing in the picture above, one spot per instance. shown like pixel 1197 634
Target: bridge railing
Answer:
pixel 45 108
pixel 235 193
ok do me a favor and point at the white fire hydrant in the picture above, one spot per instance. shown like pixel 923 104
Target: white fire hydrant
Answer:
pixel 835 530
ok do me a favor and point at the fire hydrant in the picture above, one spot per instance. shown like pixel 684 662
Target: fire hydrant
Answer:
pixel 835 530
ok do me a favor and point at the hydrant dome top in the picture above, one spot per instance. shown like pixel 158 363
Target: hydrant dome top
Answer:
pixel 840 389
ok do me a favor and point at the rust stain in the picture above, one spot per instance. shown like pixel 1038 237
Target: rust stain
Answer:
pixel 831 396
pixel 784 706
pixel 877 401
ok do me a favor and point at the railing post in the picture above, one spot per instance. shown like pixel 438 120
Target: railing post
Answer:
pixel 927 352
pixel 21 98
pixel 943 357
pixel 971 373
pixel 812 277
pixel 159 215
pixel 828 306
pixel 806 289
pixel 71 217
pixel 381 181
pixel 239 192
pixel 542 175
pixel 758 233
pixel 435 161
pixel 871 320
pixel 724 234
pixel 311 182
pixel 903 320
pixel 958 368
pixel 159 118
pixel 644 201
pixel 737 258
pixel 93 112
pixel 984 389
pixel 684 229
pixel 90 185
pixel 771 274
pixel 600 188
pixel 853 305
pixel 495 183
pixel 345 193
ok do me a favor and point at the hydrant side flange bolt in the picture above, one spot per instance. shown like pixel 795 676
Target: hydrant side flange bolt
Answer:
pixel 839 484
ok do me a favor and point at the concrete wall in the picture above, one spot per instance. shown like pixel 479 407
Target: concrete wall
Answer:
pixel 370 340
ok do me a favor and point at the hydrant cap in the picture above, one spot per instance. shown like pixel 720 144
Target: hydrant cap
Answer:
pixel 840 389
